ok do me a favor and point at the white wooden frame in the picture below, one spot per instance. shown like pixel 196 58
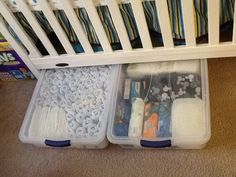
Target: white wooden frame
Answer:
pixel 191 50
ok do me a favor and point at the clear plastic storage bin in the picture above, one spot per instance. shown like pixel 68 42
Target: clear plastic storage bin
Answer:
pixel 69 108
pixel 161 105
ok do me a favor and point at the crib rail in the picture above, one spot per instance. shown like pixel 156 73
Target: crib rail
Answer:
pixel 147 52
pixel 214 13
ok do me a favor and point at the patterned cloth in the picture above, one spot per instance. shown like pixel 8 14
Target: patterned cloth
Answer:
pixel 173 86
pixel 186 86
pixel 159 88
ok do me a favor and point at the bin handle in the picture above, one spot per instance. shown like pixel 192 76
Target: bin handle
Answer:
pixel 64 143
pixel 155 144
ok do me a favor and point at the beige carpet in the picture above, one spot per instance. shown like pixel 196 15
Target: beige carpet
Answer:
pixel 217 159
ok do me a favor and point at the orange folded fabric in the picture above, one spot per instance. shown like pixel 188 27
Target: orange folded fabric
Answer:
pixel 150 120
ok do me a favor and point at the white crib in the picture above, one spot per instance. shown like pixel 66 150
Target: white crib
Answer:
pixel 213 49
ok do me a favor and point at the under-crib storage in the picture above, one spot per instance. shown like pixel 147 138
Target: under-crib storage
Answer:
pixel 161 105
pixel 69 108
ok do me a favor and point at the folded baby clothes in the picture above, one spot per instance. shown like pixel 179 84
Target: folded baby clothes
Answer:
pixel 135 90
pixel 139 88
pixel 122 118
pixel 164 115
pixel 160 88
pixel 150 120
pixel 186 85
pixel 136 120
pixel 157 119
pixel 173 86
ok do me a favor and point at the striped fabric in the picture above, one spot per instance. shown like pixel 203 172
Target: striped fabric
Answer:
pixel 29 30
pixel 175 11
pixel 129 20
pixel 201 27
pixel 12 32
pixel 108 25
pixel 176 18
pixel 43 21
pixel 64 22
pixel 87 25
pixel 226 11
pixel 151 15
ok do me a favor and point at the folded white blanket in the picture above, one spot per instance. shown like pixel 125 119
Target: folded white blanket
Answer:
pixel 188 120
pixel 140 70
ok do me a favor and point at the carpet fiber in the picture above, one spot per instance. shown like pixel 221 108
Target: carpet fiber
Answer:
pixel 217 159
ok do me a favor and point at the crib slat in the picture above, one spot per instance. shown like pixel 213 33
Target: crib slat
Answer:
pixel 164 21
pixel 96 22
pixel 18 48
pixel 189 26
pixel 70 13
pixel 18 29
pixel 56 26
pixel 119 24
pixel 234 27
pixel 214 21
pixel 36 27
pixel 141 23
